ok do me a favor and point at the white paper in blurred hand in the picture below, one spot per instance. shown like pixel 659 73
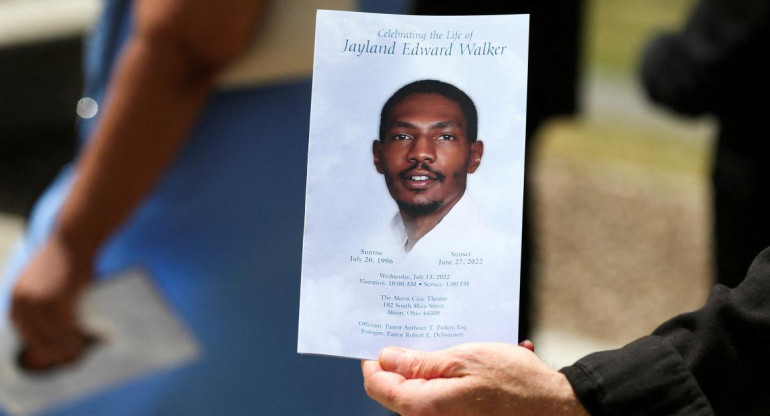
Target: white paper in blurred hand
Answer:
pixel 138 334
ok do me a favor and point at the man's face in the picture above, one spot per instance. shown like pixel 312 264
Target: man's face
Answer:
pixel 425 155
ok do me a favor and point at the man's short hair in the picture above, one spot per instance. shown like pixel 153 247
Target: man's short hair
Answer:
pixel 432 86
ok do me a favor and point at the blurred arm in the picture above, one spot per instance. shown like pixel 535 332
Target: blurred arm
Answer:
pixel 157 90
pixel 159 87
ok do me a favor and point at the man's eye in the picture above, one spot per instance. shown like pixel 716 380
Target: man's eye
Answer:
pixel 446 137
pixel 401 137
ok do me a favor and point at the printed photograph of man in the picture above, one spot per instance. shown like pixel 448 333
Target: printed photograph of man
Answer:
pixel 426 149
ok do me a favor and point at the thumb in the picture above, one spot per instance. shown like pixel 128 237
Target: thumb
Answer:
pixel 413 364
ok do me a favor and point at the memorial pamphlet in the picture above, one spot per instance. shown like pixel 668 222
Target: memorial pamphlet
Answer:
pixel 414 185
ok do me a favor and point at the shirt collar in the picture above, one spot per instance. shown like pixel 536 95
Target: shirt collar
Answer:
pixel 446 230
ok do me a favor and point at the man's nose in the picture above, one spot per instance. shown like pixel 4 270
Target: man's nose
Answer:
pixel 423 149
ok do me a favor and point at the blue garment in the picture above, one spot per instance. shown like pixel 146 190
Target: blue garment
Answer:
pixel 222 236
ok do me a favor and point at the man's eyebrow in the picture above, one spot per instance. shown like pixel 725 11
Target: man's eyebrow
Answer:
pixel 445 124
pixel 402 124
pixel 436 125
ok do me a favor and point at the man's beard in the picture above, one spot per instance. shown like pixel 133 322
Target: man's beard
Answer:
pixel 418 210
pixel 424 208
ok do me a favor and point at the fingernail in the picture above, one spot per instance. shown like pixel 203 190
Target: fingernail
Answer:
pixel 528 345
pixel 392 357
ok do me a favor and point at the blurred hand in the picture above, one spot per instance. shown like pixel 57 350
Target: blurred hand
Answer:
pixel 44 305
pixel 470 379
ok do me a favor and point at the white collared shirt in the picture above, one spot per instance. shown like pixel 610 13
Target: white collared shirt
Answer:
pixel 461 230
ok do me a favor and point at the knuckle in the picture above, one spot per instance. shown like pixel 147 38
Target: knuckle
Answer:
pixel 392 396
pixel 423 408
pixel 368 387
pixel 452 366
pixel 408 409
pixel 414 366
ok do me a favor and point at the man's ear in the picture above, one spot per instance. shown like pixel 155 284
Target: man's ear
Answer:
pixel 477 151
pixel 377 153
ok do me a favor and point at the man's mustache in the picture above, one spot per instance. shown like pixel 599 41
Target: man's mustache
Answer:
pixel 406 173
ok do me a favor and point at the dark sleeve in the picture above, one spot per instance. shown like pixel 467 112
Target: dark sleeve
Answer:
pixel 695 70
pixel 714 361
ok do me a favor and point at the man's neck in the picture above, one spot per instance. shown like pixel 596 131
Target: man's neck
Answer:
pixel 418 225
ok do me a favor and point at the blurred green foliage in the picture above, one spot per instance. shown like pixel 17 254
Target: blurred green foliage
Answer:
pixel 616 30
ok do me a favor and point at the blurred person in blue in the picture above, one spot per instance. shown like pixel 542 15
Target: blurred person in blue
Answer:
pixel 204 187
pixel 718 64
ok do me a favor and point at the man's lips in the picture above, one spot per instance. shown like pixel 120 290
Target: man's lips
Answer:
pixel 418 181
pixel 419 177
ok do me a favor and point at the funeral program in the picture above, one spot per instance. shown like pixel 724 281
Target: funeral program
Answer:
pixel 414 183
